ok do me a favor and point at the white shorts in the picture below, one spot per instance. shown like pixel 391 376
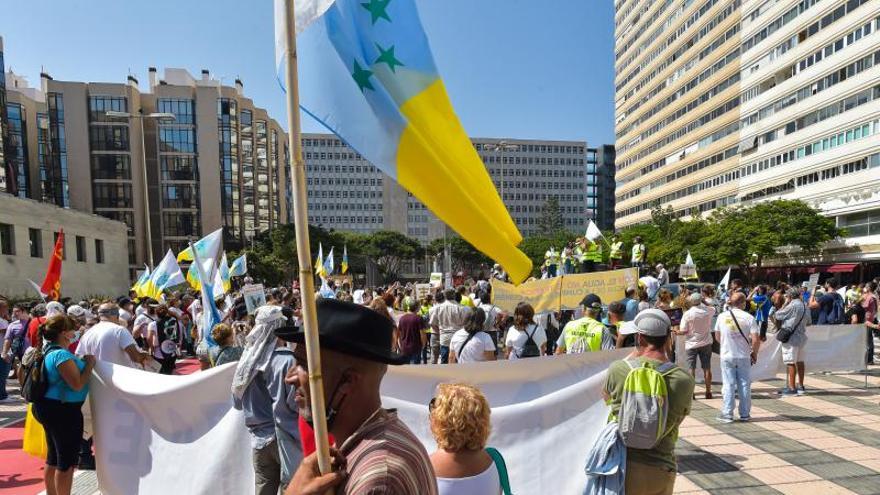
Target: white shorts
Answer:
pixel 792 354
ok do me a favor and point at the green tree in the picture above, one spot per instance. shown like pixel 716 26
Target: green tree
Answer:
pixel 390 249
pixel 746 236
pixel 465 257
pixel 550 224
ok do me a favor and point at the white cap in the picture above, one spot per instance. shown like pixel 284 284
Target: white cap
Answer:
pixel 79 312
pixel 54 308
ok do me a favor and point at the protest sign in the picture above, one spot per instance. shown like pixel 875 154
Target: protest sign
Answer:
pixel 608 285
pixel 565 292
pixel 254 297
pixel 814 281
pixel 436 279
pixel 422 290
pixel 687 271
pixel 543 295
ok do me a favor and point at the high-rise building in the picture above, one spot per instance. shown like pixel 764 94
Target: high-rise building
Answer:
pixel 348 193
pixel 600 186
pixel 209 156
pixel 721 102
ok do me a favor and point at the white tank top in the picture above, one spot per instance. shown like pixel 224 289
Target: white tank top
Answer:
pixel 485 483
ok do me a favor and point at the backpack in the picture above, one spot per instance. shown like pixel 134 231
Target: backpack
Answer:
pixel 33 377
pixel 167 335
pixel 645 405
pixel 837 316
pixel 18 342
pixel 530 348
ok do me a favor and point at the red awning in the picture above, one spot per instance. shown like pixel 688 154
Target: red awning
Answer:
pixel 842 268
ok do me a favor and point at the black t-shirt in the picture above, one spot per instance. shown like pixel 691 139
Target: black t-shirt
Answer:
pixel 856 310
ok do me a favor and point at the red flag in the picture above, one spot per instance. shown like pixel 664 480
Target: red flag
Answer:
pixel 52 283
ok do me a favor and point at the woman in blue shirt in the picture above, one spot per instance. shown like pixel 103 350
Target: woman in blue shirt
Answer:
pixel 60 410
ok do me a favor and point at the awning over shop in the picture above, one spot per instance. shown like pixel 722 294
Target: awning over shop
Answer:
pixel 842 268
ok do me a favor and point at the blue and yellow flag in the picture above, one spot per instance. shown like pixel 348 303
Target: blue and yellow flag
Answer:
pixel 139 286
pixel 343 267
pixel 239 266
pixel 368 75
pixel 167 274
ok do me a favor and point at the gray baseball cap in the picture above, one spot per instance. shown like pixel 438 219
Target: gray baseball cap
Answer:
pixel 695 298
pixel 653 323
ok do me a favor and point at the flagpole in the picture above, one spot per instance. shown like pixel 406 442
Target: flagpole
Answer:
pixel 303 251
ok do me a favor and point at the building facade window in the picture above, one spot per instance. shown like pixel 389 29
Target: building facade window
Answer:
pixel 16 151
pixel 7 239
pixel 80 249
pixel 52 153
pixel 227 121
pixel 99 251
pixel 35 241
pixel 111 167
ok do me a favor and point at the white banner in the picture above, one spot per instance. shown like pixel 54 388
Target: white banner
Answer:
pixel 829 348
pixel 168 434
pixel 180 434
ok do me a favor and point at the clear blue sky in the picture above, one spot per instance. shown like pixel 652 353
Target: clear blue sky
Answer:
pixel 513 68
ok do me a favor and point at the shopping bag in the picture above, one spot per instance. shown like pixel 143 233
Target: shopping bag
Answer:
pixel 34 442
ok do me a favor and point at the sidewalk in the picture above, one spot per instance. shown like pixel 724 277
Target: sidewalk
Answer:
pixel 827 442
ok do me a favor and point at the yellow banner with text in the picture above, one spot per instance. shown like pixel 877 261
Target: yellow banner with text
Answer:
pixel 564 292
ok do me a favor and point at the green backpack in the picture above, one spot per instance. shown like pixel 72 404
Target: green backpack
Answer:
pixel 645 404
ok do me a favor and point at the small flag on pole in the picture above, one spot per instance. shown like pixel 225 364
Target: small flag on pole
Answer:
pixel 344 265
pixel 140 284
pixel 328 264
pixel 52 283
pixel 593 232
pixel 319 262
pixel 167 274
pixel 208 247
pixel 725 281
pixel 239 266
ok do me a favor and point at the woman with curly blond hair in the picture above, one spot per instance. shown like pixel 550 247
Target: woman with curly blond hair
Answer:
pixel 459 417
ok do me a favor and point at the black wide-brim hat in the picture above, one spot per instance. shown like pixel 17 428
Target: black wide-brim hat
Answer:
pixel 350 329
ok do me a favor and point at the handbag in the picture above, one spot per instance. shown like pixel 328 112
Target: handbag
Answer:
pixel 501 466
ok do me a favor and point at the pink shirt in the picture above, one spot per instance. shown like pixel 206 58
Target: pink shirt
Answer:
pixel 870 305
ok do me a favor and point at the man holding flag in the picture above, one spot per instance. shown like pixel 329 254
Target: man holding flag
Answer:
pixel 370 78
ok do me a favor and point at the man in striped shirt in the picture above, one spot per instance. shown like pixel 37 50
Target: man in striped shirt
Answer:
pixel 377 452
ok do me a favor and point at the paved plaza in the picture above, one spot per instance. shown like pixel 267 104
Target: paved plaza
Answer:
pixel 827 442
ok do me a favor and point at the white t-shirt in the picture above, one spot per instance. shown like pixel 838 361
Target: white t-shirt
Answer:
pixel 516 339
pixel 696 324
pixel 476 346
pixel 107 342
pixel 485 483
pixel 733 345
pixel 652 285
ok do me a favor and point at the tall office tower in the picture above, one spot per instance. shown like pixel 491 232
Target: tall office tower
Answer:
pixel 722 102
pixel 348 193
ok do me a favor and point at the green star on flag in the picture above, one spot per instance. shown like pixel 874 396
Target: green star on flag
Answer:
pixel 377 9
pixel 387 57
pixel 362 77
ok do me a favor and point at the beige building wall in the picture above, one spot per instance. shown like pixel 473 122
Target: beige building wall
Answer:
pixel 79 279
pixel 677 92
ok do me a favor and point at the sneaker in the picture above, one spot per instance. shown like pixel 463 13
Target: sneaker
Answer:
pixel 787 392
pixel 745 418
pixel 801 390
pixel 724 419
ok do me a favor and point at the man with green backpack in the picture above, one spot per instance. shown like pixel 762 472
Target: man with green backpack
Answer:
pixel 649 397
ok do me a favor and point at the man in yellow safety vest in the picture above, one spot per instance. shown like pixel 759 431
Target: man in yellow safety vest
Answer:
pixel 586 334
pixel 615 256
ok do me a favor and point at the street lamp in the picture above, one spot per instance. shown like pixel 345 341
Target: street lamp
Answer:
pixel 499 148
pixel 159 116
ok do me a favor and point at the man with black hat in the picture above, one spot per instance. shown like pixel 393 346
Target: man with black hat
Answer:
pixel 381 455
pixel 652 471
pixel 586 334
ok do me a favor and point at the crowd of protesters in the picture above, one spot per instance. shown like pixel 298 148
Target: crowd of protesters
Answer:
pixel 444 326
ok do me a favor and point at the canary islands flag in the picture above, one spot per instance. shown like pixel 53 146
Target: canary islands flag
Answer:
pixel 239 266
pixel 140 285
pixel 344 265
pixel 207 246
pixel 367 74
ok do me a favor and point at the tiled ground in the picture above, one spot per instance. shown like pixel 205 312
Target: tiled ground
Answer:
pixel 827 442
